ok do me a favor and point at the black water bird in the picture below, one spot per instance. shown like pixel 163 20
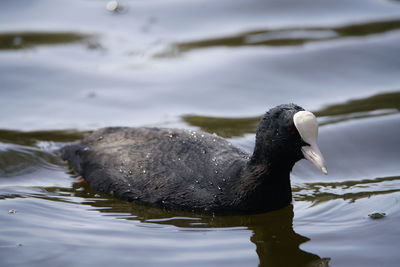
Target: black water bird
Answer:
pixel 196 171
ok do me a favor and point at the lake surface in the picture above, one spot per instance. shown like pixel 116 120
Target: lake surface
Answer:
pixel 69 67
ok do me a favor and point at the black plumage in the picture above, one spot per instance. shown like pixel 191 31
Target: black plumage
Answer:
pixel 193 170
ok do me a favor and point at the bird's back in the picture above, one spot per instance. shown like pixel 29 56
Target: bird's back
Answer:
pixel 162 167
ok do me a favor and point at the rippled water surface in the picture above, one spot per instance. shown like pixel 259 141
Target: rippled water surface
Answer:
pixel 68 67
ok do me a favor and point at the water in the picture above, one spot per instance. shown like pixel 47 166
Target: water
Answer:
pixel 70 67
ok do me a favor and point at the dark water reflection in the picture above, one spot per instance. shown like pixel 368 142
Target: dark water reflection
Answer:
pixel 24 40
pixel 377 105
pixel 272 233
pixel 289 36
pixel 31 138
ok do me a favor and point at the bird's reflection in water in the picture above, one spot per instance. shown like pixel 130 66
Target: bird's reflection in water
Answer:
pixel 277 244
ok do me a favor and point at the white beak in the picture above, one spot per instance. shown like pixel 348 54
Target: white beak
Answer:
pixel 307 126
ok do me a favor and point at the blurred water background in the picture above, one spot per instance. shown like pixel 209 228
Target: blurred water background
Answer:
pixel 68 67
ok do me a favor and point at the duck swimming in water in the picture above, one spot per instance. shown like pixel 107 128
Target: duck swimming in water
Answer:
pixel 199 172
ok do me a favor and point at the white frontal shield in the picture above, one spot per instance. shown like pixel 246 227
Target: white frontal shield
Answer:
pixel 307 126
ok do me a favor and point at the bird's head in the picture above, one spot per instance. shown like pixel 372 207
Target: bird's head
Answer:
pixel 286 134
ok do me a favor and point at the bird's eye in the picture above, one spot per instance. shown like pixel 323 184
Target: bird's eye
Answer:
pixel 291 131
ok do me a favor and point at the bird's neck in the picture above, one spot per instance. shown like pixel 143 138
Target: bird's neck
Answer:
pixel 263 187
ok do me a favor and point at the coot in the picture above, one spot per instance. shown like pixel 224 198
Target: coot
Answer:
pixel 196 171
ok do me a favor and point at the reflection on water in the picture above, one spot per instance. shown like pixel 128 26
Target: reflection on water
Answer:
pixel 377 105
pixel 272 233
pixel 347 190
pixel 23 40
pixel 287 36
pixel 225 127
pixel 384 101
pixel 31 138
